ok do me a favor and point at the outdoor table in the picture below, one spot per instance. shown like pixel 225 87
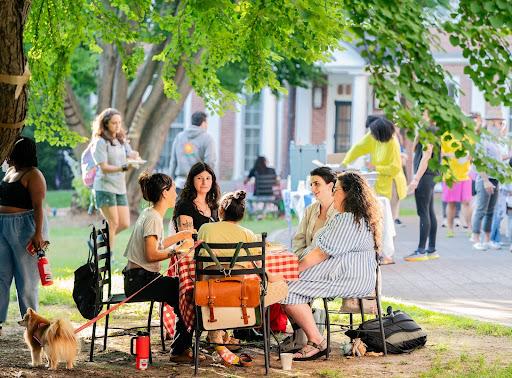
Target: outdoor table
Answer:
pixel 388 228
pixel 277 261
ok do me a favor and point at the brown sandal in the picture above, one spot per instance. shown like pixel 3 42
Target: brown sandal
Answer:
pixel 302 354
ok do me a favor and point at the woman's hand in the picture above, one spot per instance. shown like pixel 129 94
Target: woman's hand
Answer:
pixel 412 186
pixel 489 186
pixel 185 234
pixel 314 257
pixel 133 155
pixel 186 245
pixel 38 242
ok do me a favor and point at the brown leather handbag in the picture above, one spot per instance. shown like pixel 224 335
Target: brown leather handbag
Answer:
pixel 228 302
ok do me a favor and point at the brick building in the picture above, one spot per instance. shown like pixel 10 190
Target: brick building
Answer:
pixel 333 114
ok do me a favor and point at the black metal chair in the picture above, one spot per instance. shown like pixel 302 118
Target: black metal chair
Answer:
pixel 258 262
pixel 360 309
pixel 265 191
pixel 100 249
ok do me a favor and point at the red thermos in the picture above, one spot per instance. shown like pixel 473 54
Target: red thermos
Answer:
pixel 44 269
pixel 142 346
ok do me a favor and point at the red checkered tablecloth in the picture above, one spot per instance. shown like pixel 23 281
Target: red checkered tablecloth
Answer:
pixel 284 263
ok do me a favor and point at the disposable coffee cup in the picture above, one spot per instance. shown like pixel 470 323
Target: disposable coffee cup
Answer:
pixel 286 361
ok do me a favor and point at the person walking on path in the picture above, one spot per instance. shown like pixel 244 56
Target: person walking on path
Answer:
pixel 22 223
pixel 422 185
pixel 191 146
pixel 487 189
pixel 460 191
pixel 110 151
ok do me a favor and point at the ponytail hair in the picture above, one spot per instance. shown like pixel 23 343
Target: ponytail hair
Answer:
pixel 233 206
pixel 153 185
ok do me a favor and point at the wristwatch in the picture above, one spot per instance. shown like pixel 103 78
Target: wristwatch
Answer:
pixel 124 168
pixel 171 253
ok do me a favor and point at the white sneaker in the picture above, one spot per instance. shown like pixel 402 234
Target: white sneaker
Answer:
pixel 473 239
pixel 494 245
pixel 456 222
pixel 480 246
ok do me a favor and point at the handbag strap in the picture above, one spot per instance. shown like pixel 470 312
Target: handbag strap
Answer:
pixel 213 257
pixel 211 301
pixel 243 300
pixel 235 255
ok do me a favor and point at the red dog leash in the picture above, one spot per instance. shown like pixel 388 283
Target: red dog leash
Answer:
pixel 115 307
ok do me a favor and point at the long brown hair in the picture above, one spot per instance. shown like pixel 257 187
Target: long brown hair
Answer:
pixel 360 200
pixel 100 126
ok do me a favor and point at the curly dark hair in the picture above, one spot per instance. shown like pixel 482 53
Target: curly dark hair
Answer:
pixel 361 201
pixel 189 192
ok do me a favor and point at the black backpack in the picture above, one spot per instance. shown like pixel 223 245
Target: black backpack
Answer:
pixel 402 333
pixel 86 291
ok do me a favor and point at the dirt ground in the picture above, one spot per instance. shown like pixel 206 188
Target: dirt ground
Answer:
pixel 441 347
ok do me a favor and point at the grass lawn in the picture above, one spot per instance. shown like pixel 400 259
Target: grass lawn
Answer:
pixel 68 249
pixel 59 198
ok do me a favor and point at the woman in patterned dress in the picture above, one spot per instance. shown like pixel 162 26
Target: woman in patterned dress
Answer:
pixel 340 262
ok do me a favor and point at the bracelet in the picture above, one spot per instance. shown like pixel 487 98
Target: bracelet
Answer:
pixel 124 168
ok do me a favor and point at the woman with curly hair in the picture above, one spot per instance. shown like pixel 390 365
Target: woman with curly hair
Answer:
pixel 198 201
pixel 341 261
pixel 110 151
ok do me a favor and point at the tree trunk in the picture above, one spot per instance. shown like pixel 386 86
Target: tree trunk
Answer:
pixel 13 14
pixel 74 119
pixel 106 77
pixel 152 141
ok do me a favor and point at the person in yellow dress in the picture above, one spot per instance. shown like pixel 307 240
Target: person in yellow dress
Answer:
pixel 383 147
pixel 460 190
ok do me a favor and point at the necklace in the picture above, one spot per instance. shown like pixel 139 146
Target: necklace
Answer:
pixel 202 208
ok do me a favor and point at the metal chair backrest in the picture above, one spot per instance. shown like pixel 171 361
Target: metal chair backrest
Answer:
pixel 257 260
pixel 264 185
pixel 99 242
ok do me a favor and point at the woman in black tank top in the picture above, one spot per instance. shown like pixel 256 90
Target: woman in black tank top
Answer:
pixel 422 185
pixel 22 222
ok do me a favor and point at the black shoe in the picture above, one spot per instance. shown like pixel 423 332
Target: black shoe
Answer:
pixel 398 222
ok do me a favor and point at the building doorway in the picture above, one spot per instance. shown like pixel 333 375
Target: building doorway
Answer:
pixel 342 125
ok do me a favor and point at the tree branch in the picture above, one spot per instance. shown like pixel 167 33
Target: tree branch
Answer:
pixel 74 117
pixel 136 91
pixel 106 77
pixel 120 89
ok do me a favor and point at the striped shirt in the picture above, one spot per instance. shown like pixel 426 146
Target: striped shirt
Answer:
pixel 350 269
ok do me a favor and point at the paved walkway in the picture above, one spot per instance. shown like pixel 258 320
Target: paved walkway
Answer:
pixel 463 281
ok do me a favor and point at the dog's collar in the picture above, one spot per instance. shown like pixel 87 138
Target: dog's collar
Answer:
pixel 38 333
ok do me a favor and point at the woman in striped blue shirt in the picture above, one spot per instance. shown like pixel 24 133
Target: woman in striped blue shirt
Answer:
pixel 340 262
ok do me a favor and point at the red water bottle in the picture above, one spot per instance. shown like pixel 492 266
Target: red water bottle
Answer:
pixel 142 351
pixel 44 269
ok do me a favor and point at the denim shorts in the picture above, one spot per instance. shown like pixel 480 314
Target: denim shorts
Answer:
pixel 108 199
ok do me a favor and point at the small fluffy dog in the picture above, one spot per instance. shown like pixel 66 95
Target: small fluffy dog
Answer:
pixel 56 338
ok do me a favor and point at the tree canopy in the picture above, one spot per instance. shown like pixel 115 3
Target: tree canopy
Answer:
pixel 173 46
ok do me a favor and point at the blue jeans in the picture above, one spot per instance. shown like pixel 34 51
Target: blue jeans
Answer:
pixel 484 206
pixel 16 230
pixel 499 213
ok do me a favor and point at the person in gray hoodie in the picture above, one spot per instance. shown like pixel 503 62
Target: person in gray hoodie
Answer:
pixel 190 146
